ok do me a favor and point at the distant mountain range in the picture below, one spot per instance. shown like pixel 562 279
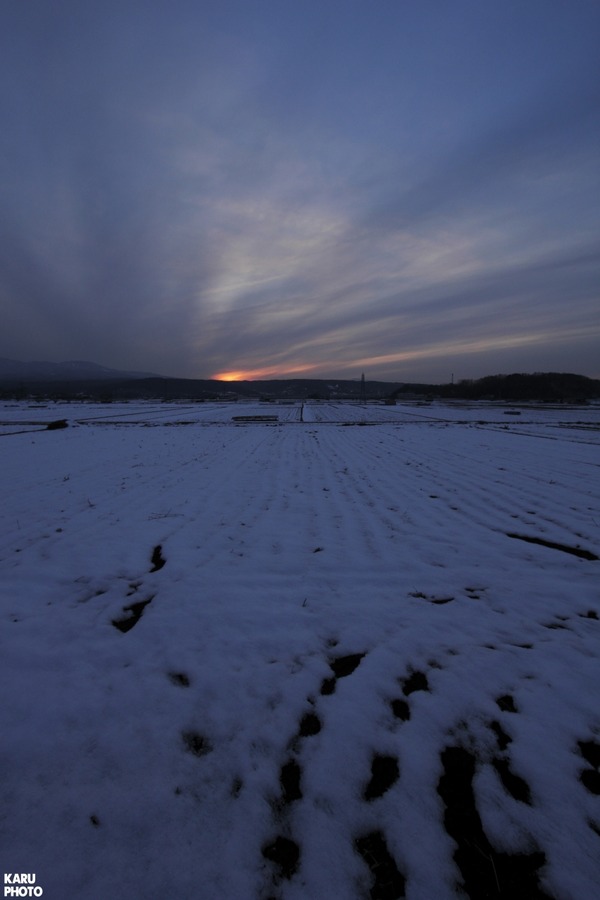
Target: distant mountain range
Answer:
pixel 85 380
pixel 73 370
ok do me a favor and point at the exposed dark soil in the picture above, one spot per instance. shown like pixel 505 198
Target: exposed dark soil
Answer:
pixel 135 611
pixel 384 773
pixel 342 666
pixel 401 709
pixel 416 681
pixel 485 872
pixel 310 724
pixel 514 784
pixel 389 882
pixel 157 559
pixel 506 703
pixel 590 750
pixel 554 545
pixel 196 743
pixel 285 853
pixel 289 779
pixel 180 679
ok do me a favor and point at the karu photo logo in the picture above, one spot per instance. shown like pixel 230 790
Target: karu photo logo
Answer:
pixel 21 884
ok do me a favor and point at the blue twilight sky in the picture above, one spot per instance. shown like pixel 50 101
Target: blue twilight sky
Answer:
pixel 302 188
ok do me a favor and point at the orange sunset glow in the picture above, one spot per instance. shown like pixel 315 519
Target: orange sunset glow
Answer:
pixel 258 374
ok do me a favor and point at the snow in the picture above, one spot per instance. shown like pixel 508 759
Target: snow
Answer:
pixel 167 759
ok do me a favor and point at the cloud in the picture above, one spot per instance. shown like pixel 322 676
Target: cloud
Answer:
pixel 196 193
pixel 497 168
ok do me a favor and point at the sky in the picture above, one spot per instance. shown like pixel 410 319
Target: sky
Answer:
pixel 240 189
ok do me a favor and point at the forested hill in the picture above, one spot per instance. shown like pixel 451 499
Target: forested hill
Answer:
pixel 541 386
pixel 548 387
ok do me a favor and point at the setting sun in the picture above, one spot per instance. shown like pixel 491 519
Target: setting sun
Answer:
pixel 229 376
pixel 258 374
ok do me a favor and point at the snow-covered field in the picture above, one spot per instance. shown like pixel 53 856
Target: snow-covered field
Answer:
pixel 315 658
